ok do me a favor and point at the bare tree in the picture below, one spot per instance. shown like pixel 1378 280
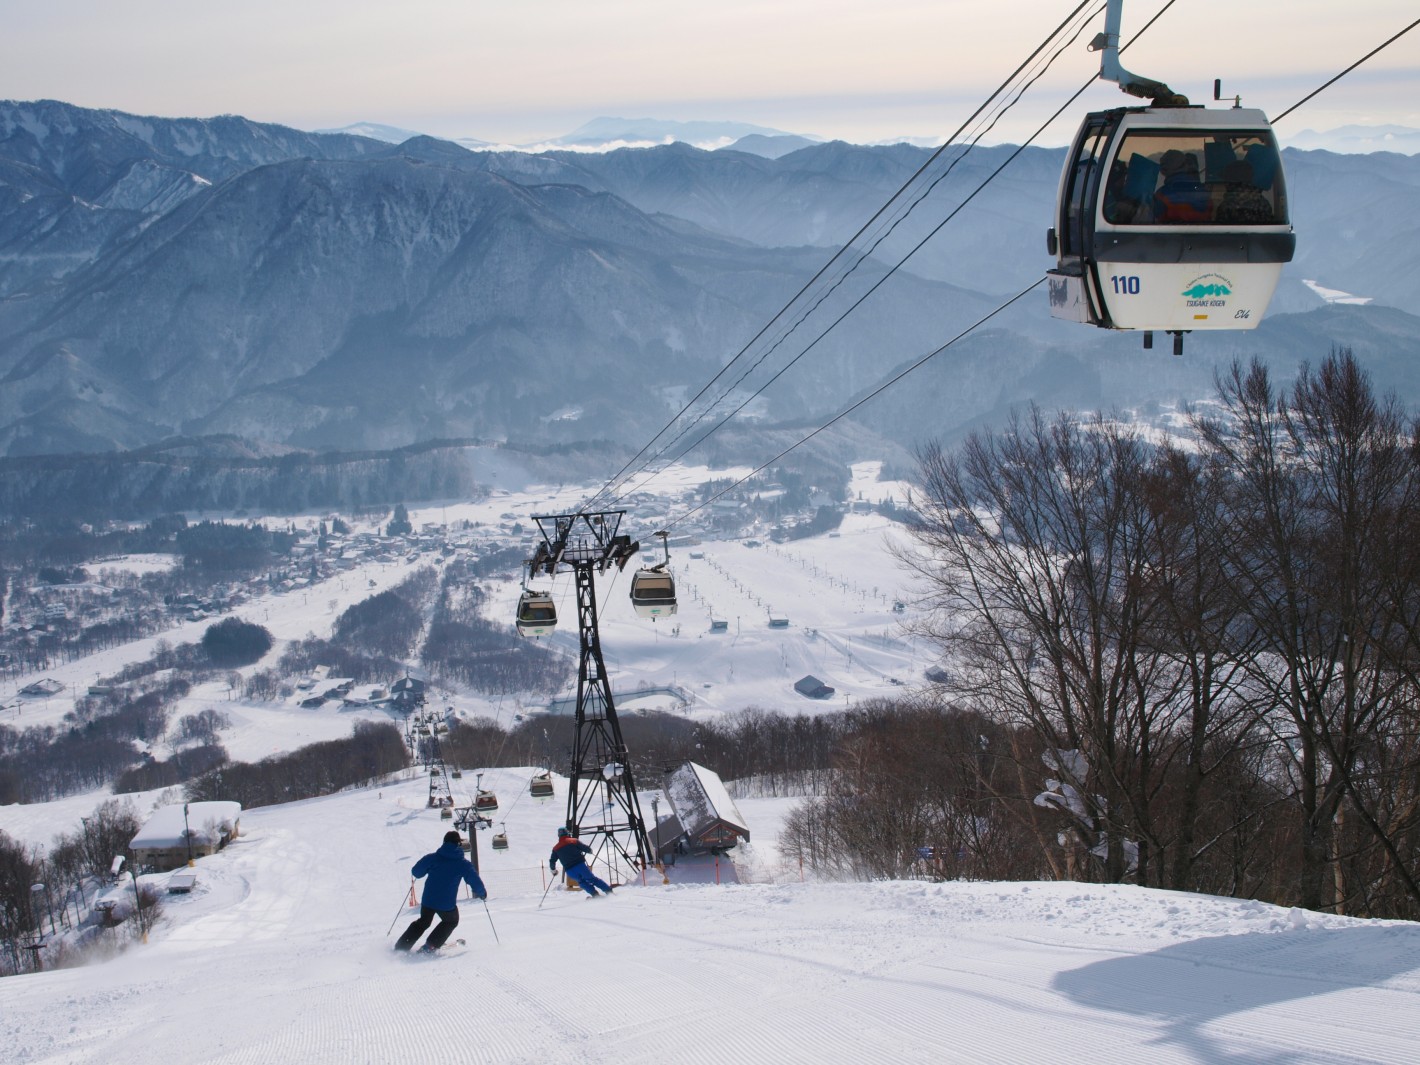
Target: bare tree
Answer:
pixel 1323 491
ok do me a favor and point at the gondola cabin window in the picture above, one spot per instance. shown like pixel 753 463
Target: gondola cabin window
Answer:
pixel 1182 177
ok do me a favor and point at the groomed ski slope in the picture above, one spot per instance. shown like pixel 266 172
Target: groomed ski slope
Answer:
pixel 283 955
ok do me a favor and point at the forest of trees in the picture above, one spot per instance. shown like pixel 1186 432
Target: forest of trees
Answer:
pixel 463 646
pixel 70 872
pixel 372 750
pixel 1207 659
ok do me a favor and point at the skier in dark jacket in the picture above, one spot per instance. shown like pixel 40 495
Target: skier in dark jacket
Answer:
pixel 444 869
pixel 572 853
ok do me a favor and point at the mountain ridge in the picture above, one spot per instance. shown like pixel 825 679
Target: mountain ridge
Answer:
pixel 179 277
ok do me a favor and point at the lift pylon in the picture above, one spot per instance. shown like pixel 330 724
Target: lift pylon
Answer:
pixel 602 807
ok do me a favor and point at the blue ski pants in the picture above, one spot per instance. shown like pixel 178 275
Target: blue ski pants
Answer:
pixel 589 880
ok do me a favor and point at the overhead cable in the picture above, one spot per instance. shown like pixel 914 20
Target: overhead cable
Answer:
pixel 844 249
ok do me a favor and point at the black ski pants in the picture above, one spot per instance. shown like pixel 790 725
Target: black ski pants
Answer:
pixel 448 921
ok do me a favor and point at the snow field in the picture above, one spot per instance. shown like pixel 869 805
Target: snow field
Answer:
pixel 283 955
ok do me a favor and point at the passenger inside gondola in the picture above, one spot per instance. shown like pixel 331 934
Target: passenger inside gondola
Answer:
pixel 1161 183
pixel 1242 201
pixel 1182 197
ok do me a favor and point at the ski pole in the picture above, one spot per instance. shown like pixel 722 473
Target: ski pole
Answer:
pixel 398 912
pixel 545 890
pixel 490 923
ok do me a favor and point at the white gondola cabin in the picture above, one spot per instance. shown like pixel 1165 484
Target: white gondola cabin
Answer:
pixel 485 801
pixel 653 592
pixel 1170 219
pixel 537 614
pixel 541 786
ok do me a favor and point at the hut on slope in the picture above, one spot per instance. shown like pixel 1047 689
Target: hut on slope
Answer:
pixel 707 816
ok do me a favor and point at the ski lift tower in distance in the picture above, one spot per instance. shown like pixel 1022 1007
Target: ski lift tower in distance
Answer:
pixel 1170 217
pixel 602 808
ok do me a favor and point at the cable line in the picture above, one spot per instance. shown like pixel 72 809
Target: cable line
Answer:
pixel 858 403
pixel 842 251
pixel 878 284
pixel 622 474
pixel 916 248
pixel 1348 70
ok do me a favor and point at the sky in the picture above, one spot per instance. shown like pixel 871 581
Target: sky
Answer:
pixel 519 73
pixel 281 954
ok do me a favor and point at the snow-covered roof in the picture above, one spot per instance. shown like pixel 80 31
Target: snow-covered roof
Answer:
pixel 699 799
pixel 166 825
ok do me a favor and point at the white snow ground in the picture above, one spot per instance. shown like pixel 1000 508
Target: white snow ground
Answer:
pixel 283 955
pixel 282 952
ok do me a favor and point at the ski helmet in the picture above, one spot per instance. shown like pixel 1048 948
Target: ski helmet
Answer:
pixel 563 832
pixel 452 837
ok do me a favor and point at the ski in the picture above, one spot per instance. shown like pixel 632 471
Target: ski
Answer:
pixel 450 948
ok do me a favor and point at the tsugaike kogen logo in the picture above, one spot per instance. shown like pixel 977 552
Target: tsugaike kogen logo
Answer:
pixel 1210 290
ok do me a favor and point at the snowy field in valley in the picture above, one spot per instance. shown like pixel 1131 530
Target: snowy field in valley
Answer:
pixel 282 953
pixel 837 593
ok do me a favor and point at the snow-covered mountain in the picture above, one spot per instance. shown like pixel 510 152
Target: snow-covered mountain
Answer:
pixel 1360 139
pixel 162 277
pixel 602 133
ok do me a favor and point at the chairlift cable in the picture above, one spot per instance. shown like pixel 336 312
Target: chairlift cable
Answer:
pixel 1348 70
pixel 871 247
pixel 858 403
pixel 834 324
pixel 843 250
pixel 930 355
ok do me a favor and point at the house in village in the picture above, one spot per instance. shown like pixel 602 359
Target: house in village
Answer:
pixel 703 816
pixel 45 687
pixel 811 687
pixel 174 833
pixel 407 694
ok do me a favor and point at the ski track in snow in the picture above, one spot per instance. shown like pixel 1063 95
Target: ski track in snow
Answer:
pixel 283 957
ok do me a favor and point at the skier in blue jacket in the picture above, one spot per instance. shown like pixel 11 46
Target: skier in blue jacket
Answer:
pixel 572 853
pixel 444 869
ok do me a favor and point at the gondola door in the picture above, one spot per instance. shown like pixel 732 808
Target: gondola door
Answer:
pixel 1073 295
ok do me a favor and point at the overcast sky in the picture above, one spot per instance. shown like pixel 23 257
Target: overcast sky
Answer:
pixel 518 71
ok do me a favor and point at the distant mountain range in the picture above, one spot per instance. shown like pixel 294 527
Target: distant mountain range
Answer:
pixel 197 277
pixel 1359 139
pixel 609 134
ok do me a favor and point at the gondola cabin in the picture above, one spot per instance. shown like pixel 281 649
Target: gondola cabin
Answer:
pixel 541 786
pixel 653 593
pixel 1170 219
pixel 500 840
pixel 537 614
pixel 485 801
